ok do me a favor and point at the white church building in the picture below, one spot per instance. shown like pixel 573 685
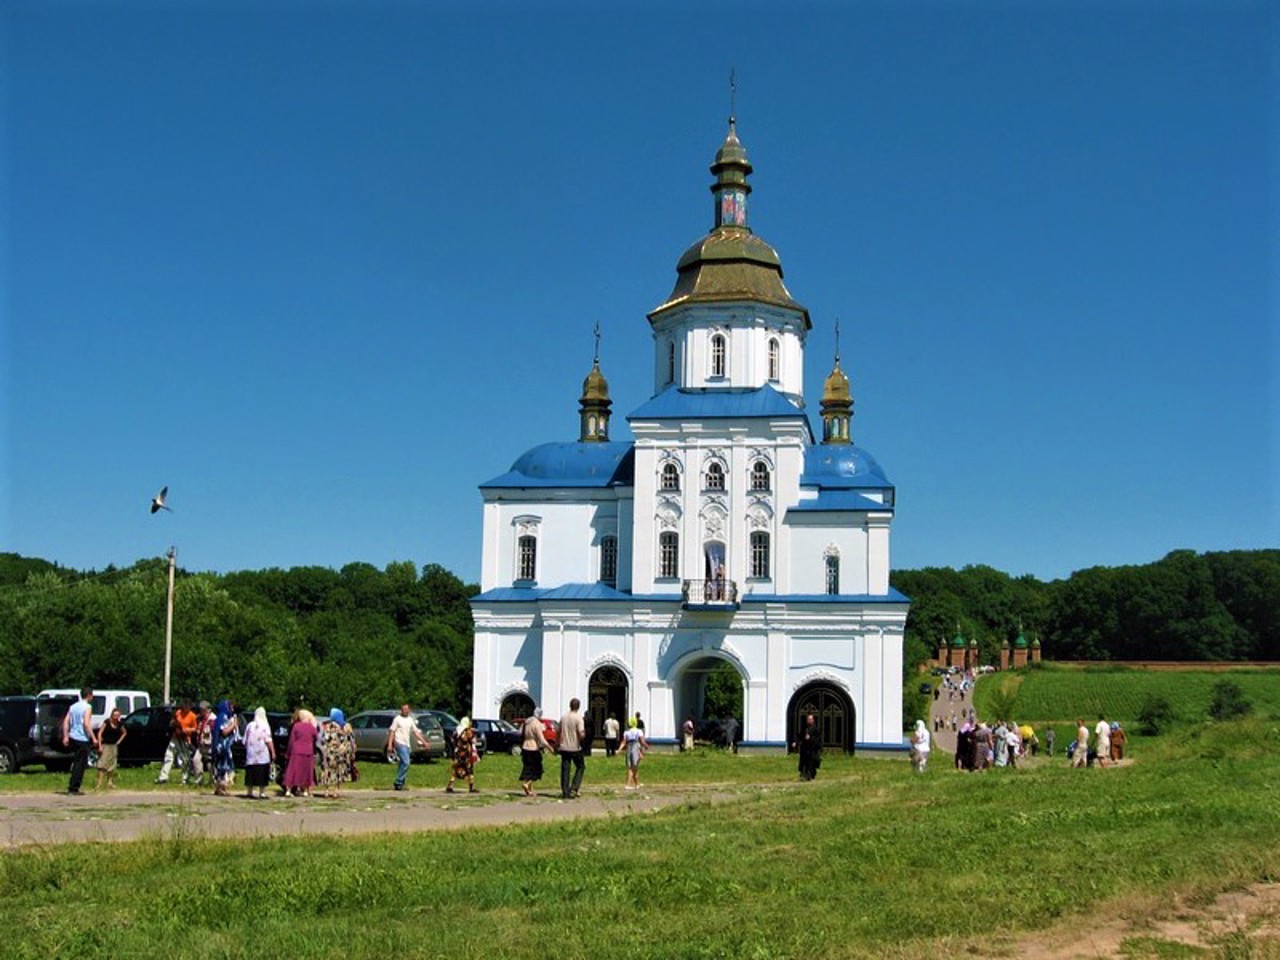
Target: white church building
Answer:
pixel 622 572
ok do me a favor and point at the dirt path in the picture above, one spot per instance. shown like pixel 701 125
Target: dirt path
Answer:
pixel 132 815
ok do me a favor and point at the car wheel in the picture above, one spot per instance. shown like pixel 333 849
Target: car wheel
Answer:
pixel 8 760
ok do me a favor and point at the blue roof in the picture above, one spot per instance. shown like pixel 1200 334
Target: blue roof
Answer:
pixel 832 466
pixel 716 403
pixel 610 464
pixel 830 501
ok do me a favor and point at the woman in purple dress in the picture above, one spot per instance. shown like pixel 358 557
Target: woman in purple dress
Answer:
pixel 300 774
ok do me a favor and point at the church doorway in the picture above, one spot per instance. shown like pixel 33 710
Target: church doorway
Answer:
pixel 832 710
pixel 606 694
pixel 711 690
pixel 515 706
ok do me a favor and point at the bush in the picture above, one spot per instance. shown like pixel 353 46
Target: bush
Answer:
pixel 1155 716
pixel 1228 701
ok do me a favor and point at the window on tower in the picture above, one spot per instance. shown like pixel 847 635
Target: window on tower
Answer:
pixel 668 555
pixel 671 362
pixel 715 476
pixel 775 360
pixel 609 560
pixel 833 574
pixel 760 476
pixel 718 355
pixel 670 477
pixel 527 558
pixel 760 555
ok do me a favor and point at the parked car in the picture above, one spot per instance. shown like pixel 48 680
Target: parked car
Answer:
pixel 148 731
pixel 104 701
pixel 450 725
pixel 499 736
pixel 371 726
pixel 550 730
pixel 31 732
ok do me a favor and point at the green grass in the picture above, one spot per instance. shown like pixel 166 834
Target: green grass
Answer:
pixel 1060 694
pixel 869 861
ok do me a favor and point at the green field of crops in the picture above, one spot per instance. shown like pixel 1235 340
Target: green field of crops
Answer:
pixel 1061 693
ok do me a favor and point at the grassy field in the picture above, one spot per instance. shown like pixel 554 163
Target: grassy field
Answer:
pixel 1060 693
pixel 868 861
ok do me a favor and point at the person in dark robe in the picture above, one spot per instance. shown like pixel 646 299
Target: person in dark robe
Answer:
pixel 810 748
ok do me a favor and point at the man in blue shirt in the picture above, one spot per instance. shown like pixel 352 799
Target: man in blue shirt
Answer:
pixel 77 731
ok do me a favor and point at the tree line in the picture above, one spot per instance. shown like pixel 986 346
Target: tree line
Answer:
pixel 361 637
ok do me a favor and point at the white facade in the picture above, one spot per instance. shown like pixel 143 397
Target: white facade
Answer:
pixel 616 572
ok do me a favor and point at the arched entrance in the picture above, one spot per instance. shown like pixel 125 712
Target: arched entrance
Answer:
pixel 516 706
pixel 712 689
pixel 606 694
pixel 832 709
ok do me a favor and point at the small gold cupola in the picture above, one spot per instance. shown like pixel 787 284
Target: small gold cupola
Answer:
pixel 594 404
pixel 837 403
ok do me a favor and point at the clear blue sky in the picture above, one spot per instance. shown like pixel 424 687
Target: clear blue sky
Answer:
pixel 323 268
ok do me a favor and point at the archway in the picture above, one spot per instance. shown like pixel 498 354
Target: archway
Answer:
pixel 606 694
pixel 833 711
pixel 712 689
pixel 516 706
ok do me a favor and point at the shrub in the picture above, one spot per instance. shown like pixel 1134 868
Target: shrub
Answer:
pixel 1228 701
pixel 1155 716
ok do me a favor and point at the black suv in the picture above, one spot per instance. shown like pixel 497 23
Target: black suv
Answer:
pixel 149 729
pixel 31 732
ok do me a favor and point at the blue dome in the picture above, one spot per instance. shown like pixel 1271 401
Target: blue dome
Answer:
pixel 571 465
pixel 838 465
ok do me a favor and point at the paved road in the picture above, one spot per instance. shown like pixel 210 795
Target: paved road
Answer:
pixel 130 815
pixel 946 707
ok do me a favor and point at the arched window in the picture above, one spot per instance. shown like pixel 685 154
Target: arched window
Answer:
pixel 670 477
pixel 668 555
pixel 760 476
pixel 671 362
pixel 717 355
pixel 760 555
pixel 775 359
pixel 833 574
pixel 527 558
pixel 609 560
pixel 715 476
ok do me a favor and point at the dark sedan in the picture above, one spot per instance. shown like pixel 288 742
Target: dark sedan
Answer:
pixel 498 736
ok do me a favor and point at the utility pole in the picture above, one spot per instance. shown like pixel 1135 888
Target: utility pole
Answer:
pixel 168 624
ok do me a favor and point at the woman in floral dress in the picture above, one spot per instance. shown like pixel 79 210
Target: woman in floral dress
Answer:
pixel 465 756
pixel 337 750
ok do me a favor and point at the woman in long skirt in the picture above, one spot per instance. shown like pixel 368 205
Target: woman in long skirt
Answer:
pixel 465 756
pixel 337 751
pixel 300 774
pixel 224 732
pixel 533 741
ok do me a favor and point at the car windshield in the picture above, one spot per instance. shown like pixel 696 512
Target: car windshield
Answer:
pixel 504 725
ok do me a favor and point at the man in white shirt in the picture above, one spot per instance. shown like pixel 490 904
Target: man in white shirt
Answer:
pixel 612 731
pixel 1103 733
pixel 402 729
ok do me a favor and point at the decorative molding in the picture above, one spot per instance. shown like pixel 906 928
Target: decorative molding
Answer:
pixel 609 659
pixel 519 686
pixel 822 676
pixel 831 551
pixel 526 524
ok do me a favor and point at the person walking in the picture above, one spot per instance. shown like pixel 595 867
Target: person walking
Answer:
pixel 731 734
pixel 465 757
pixel 259 754
pixel 202 745
pixel 635 746
pixel 533 740
pixel 337 747
pixel 77 733
pixel 1118 739
pixel 1050 736
pixel 612 732
pixel 300 772
pixel 1102 733
pixel 920 747
pixel 110 735
pixel 182 736
pixel 809 747
pixel 1080 756
pixel 686 734
pixel 226 726
pixel 572 733
pixel 403 729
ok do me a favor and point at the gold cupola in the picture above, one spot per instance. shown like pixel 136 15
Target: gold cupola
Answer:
pixel 837 403
pixel 594 404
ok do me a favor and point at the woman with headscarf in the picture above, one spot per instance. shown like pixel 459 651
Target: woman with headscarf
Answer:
pixel 300 774
pixel 259 753
pixel 337 750
pixel 533 740
pixel 225 726
pixel 634 747
pixel 465 756
pixel 920 747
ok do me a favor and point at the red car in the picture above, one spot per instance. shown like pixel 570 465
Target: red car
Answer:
pixel 550 730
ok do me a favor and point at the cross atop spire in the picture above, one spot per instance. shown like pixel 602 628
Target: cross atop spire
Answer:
pixel 733 95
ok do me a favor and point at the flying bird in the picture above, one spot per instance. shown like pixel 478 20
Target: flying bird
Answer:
pixel 157 502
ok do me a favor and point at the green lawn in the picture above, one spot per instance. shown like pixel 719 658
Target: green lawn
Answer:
pixel 868 861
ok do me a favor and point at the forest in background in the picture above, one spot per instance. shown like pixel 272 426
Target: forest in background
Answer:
pixel 362 637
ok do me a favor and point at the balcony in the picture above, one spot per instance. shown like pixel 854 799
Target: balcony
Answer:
pixel 709 595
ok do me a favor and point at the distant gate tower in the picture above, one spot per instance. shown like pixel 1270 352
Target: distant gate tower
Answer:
pixel 622 572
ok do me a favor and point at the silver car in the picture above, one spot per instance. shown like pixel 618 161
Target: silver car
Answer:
pixel 371 727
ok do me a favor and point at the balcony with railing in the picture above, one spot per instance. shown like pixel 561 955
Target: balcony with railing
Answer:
pixel 709 595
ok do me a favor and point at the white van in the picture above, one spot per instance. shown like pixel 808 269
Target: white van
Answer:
pixel 104 701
